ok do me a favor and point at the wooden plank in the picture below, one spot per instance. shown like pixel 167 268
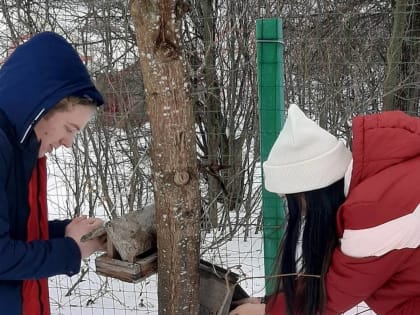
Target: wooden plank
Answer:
pixel 134 233
pixel 126 271
pixel 218 287
pixel 111 251
pixel 130 235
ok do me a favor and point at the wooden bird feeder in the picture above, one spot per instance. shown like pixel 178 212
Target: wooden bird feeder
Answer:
pixel 131 257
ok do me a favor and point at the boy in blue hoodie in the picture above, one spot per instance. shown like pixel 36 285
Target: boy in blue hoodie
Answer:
pixel 46 97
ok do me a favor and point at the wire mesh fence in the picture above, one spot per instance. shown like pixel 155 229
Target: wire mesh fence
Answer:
pixel 335 66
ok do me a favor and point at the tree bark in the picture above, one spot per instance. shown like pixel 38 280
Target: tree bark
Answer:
pixel 173 154
pixel 400 89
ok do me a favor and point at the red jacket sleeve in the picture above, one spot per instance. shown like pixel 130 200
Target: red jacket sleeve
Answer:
pixel 412 306
pixel 276 305
pixel 353 280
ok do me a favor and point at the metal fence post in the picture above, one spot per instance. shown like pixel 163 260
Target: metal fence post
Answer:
pixel 269 35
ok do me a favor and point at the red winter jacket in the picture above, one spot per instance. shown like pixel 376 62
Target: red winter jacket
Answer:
pixel 378 260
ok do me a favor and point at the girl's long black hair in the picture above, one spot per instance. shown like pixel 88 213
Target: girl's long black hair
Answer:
pixel 315 211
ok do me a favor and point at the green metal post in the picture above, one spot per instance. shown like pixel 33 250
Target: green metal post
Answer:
pixel 269 34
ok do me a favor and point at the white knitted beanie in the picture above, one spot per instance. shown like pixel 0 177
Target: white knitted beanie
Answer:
pixel 304 157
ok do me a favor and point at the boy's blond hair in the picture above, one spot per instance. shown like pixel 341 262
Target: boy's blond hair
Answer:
pixel 68 103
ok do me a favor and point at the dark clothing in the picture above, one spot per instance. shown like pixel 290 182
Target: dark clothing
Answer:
pixel 36 76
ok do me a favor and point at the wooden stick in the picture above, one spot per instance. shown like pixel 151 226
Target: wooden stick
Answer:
pixel 100 231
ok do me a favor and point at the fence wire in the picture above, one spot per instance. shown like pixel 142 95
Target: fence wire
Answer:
pixel 335 67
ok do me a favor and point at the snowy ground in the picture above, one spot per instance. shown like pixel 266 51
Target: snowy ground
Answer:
pixel 96 295
pixel 101 295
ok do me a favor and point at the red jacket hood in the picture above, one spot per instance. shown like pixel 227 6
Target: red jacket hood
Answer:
pixel 381 141
pixel 386 151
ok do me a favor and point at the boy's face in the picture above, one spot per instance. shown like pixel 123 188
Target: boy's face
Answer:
pixel 61 127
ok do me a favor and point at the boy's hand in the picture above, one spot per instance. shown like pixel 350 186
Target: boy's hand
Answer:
pixel 81 226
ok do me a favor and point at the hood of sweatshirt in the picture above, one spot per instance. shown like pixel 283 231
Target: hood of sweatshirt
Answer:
pixel 37 75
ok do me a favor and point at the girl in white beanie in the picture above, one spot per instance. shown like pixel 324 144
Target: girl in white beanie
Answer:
pixel 364 248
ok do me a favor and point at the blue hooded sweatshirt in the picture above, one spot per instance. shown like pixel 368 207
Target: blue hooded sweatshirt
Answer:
pixel 34 78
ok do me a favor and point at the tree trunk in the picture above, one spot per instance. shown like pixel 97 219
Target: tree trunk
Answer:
pixel 413 57
pixel 400 88
pixel 173 154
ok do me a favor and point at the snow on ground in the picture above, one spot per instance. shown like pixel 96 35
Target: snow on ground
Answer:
pixel 99 295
